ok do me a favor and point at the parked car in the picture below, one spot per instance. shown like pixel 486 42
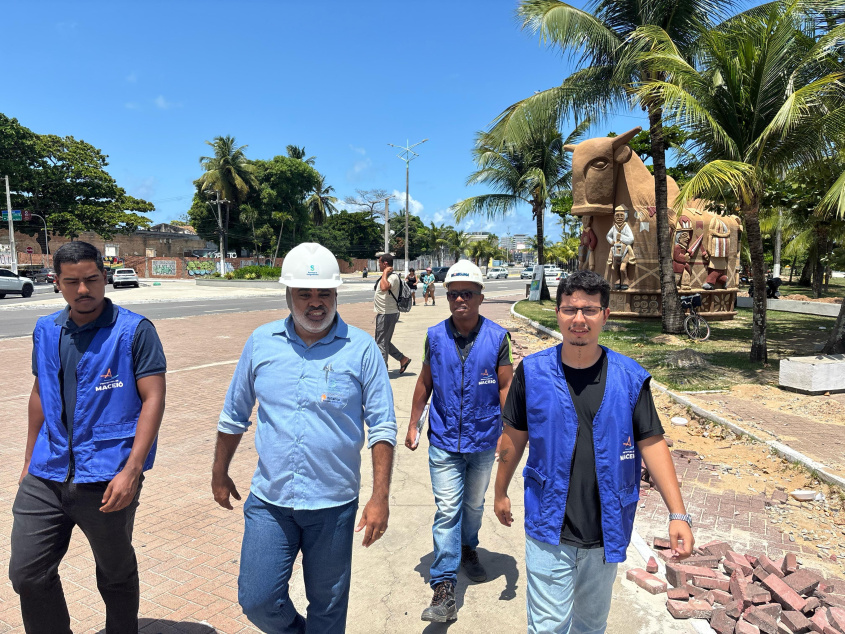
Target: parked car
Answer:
pixel 553 275
pixel 439 273
pixel 125 277
pixel 40 275
pixel 497 273
pixel 14 284
pixel 109 276
pixel 527 273
pixel 51 277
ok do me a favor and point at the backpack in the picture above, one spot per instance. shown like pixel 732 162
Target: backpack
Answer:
pixel 404 301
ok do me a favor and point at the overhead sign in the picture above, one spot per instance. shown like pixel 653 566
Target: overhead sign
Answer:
pixel 536 283
pixel 17 215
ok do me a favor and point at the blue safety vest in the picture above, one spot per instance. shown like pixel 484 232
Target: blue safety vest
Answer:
pixel 465 414
pixel 107 404
pixel 552 430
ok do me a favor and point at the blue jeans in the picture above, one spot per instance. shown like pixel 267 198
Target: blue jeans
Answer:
pixel 459 482
pixel 273 536
pixel 569 588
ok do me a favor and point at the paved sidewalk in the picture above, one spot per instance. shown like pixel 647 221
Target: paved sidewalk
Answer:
pixel 188 547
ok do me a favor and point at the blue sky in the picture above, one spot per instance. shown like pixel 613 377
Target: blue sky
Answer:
pixel 149 82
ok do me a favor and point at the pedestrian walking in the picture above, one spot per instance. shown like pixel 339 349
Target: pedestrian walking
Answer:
pixel 319 383
pixel 411 280
pixel 589 418
pixel 386 308
pixel 428 286
pixel 467 369
pixel 94 414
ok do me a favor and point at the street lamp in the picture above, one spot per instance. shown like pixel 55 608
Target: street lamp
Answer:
pixel 409 156
pixel 216 193
pixel 46 237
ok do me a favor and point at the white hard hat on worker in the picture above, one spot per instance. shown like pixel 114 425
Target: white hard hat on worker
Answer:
pixel 464 271
pixel 310 265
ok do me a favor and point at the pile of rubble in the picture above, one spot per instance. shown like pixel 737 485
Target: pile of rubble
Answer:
pixel 748 595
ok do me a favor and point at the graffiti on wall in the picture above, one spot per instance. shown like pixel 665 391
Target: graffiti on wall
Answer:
pixel 164 267
pixel 206 267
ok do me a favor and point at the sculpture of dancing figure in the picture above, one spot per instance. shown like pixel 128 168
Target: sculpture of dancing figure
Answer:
pixel 589 242
pixel 620 237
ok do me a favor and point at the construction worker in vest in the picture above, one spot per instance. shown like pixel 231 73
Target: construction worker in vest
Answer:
pixel 94 415
pixel 588 417
pixel 319 383
pixel 467 369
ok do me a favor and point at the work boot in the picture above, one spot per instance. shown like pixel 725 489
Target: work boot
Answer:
pixel 443 607
pixel 472 567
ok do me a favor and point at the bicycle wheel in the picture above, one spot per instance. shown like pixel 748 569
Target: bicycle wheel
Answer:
pixel 697 328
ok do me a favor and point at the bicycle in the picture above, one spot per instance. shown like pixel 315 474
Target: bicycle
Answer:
pixel 695 325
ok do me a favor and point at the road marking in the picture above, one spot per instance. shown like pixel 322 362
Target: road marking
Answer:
pixel 205 365
pixel 222 310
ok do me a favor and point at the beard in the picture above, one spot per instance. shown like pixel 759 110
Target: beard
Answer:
pixel 314 327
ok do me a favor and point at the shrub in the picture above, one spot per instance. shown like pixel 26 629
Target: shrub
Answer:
pixel 258 273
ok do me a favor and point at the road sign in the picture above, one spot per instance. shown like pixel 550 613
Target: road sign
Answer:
pixel 27 215
pixel 16 215
pixel 30 250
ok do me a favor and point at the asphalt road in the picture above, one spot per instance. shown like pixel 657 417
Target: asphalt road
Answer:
pixel 20 320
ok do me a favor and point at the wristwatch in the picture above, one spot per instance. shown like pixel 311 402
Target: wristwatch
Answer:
pixel 681 516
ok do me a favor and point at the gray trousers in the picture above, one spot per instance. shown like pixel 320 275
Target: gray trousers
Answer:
pixel 385 325
pixel 45 513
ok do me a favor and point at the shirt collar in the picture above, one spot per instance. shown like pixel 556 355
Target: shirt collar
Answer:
pixel 106 318
pixel 472 333
pixel 339 330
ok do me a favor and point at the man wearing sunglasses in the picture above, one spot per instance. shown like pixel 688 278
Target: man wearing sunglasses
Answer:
pixel 468 366
pixel 590 419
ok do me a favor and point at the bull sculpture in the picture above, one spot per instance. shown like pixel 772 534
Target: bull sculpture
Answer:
pixel 613 193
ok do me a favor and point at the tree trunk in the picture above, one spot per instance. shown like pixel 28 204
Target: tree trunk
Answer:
pixel 818 269
pixel 759 352
pixel 778 240
pixel 792 267
pixel 538 209
pixel 836 343
pixel 672 316
pixel 807 272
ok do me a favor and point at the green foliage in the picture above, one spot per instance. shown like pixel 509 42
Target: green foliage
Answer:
pixel 65 181
pixel 257 273
pixel 416 239
pixel 350 235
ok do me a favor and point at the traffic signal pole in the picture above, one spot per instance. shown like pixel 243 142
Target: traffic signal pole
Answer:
pixel 12 246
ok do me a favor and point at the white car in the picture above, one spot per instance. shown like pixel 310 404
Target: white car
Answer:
pixel 125 277
pixel 553 275
pixel 13 284
pixel 497 273
pixel 527 273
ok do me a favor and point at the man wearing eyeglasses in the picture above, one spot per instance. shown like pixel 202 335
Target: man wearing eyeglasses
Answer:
pixel 468 366
pixel 590 419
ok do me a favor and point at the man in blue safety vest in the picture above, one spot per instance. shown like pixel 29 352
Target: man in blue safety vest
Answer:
pixel 468 366
pixel 587 414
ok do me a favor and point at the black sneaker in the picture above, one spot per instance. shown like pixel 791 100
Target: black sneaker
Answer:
pixel 472 567
pixel 443 607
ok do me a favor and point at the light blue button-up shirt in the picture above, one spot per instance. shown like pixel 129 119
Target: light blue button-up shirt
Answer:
pixel 313 403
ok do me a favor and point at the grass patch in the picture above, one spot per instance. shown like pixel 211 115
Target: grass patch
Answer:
pixel 725 354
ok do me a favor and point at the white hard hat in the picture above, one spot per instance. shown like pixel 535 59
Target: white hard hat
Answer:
pixel 310 265
pixel 464 271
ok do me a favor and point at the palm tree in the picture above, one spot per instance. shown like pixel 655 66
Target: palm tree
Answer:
pixel 282 217
pixel 434 238
pixel 321 202
pixel 768 97
pixel 298 153
pixel 457 243
pixel 602 39
pixel 533 172
pixel 249 214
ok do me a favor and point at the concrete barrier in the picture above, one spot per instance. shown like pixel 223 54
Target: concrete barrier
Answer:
pixel 813 375
pixel 792 306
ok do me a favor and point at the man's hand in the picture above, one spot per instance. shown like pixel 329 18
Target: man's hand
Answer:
pixel 411 437
pixel 502 509
pixel 121 490
pixel 680 539
pixel 222 486
pixel 387 271
pixel 374 518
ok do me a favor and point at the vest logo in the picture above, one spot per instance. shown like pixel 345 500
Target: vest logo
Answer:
pixel 109 382
pixel 628 451
pixel 487 378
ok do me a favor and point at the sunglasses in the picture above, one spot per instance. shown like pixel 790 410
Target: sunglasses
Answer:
pixel 464 295
pixel 587 311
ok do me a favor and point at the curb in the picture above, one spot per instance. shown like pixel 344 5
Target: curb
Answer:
pixel 779 448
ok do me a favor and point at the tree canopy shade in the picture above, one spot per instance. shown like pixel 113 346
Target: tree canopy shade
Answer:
pixel 767 96
pixel 600 38
pixel 65 181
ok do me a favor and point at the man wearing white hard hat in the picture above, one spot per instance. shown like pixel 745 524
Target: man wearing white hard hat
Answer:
pixel 319 382
pixel 468 366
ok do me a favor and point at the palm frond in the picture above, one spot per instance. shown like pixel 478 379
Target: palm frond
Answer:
pixel 711 181
pixel 494 206
pixel 833 202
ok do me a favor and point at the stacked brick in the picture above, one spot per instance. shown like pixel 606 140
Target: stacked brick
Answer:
pixel 744 594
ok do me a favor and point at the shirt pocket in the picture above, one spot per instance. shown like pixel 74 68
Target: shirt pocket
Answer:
pixel 340 390
pixel 114 431
pixel 535 483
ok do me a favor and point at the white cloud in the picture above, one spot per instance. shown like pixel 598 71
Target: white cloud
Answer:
pixel 131 77
pixel 146 188
pixel 468 224
pixel 358 150
pixel 439 217
pixel 356 172
pixel 416 206
pixel 164 104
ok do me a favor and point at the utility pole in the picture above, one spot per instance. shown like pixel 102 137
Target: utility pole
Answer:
pixel 409 156
pixel 46 237
pixel 12 247
pixel 387 225
pixel 216 193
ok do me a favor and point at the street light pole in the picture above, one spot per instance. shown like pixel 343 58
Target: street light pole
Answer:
pixel 46 237
pixel 12 247
pixel 216 193
pixel 409 156
pixel 387 224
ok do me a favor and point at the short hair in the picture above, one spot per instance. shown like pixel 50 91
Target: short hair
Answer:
pixel 76 252
pixel 411 270
pixel 387 259
pixel 588 281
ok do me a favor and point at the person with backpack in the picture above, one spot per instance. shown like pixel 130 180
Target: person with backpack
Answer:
pixel 386 308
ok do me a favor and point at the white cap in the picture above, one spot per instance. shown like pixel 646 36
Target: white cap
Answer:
pixel 310 265
pixel 464 271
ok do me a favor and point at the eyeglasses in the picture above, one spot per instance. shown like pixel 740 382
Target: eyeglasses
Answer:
pixel 587 311
pixel 464 295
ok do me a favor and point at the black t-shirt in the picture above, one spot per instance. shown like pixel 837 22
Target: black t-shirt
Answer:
pixel 464 344
pixel 582 518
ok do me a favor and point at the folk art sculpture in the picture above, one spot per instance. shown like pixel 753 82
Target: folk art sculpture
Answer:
pixel 613 193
